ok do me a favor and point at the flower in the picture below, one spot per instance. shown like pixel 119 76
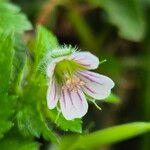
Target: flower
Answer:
pixel 70 82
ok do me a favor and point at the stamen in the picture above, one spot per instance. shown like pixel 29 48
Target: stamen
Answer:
pixel 73 84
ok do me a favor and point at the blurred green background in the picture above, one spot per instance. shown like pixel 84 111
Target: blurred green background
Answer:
pixel 116 30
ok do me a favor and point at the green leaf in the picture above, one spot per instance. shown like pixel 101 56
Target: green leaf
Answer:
pixel 66 125
pixel 5 126
pixel 12 19
pixel 8 7
pixel 30 118
pixel 112 99
pixel 18 64
pixel 44 42
pixel 31 123
pixel 7 102
pixel 6 49
pixel 104 137
pixel 16 142
pixel 127 15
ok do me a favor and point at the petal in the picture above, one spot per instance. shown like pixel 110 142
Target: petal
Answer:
pixel 86 59
pixel 50 69
pixel 96 85
pixel 52 95
pixel 79 102
pixel 73 104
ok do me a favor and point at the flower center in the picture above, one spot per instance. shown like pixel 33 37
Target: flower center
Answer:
pixel 65 69
pixel 73 84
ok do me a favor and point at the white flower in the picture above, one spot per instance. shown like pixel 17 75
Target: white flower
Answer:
pixel 70 81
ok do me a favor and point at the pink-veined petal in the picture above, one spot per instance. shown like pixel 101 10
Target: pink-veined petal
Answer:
pixel 96 85
pixel 79 102
pixel 86 59
pixel 52 94
pixel 73 104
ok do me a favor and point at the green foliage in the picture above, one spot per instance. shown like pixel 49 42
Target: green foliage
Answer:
pixel 127 15
pixel 12 19
pixel 66 125
pixel 104 137
pixel 30 118
pixel 45 41
pixel 18 64
pixel 6 101
pixel 17 144
pixel 7 104
pixel 13 141
pixel 6 49
pixel 112 99
pixel 8 62
pixel 32 123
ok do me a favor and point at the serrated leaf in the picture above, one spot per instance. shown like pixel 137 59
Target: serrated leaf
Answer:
pixel 6 54
pixel 127 15
pixel 7 102
pixel 31 123
pixel 30 119
pixel 66 125
pixel 44 42
pixel 18 64
pixel 11 18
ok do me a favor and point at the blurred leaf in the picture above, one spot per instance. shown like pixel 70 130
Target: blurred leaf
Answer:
pixel 5 126
pixel 8 7
pixel 66 125
pixel 145 2
pixel 127 15
pixel 45 41
pixel 112 99
pixel 83 30
pixel 12 19
pixel 15 142
pixel 104 137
